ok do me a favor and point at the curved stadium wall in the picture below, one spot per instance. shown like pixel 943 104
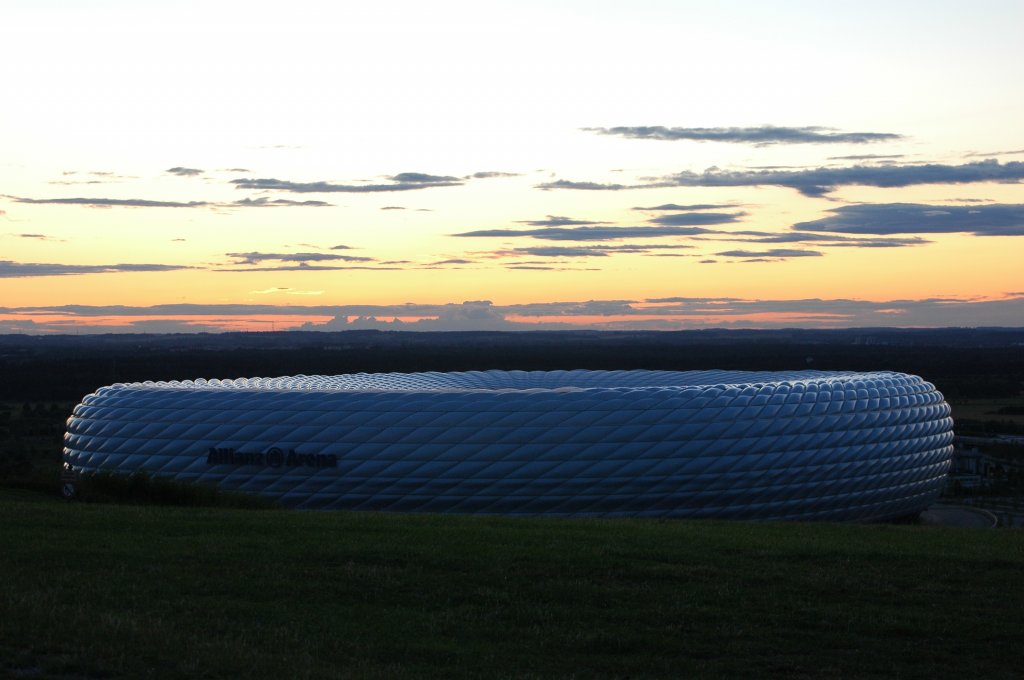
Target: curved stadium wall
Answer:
pixel 797 445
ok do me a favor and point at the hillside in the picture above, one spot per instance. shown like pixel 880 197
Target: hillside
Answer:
pixel 90 591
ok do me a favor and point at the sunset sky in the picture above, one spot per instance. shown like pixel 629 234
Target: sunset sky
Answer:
pixel 207 166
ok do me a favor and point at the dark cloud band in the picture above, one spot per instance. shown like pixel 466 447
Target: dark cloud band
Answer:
pixel 257 257
pixel 764 135
pixel 817 182
pixel 913 218
pixel 14 270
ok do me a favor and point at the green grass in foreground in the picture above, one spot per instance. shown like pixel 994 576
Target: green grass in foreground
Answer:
pixel 102 591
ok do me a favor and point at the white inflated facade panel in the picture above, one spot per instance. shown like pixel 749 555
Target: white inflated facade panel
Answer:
pixel 795 445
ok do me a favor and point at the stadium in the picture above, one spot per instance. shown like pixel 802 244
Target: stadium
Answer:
pixel 806 445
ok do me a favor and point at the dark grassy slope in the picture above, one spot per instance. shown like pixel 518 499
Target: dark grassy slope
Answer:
pixel 129 592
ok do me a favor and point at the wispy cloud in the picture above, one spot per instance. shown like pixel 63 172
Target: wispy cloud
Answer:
pixel 451 261
pixel 258 257
pixel 406 181
pixel 697 218
pixel 490 174
pixel 98 177
pixel 820 181
pixel 868 157
pixel 558 221
pixel 990 154
pixel 111 202
pixel 911 218
pixel 184 172
pixel 590 186
pixel 602 250
pixel 764 135
pixel 262 202
pixel 304 267
pixel 36 237
pixel 14 270
pixel 681 208
pixel 775 253
pixel 817 182
pixel 265 202
pixel 423 178
pixel 598 233
pixel 812 239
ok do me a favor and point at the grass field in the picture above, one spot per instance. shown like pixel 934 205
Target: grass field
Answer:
pixel 115 591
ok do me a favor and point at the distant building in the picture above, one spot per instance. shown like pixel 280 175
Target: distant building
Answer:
pixel 800 445
pixel 975 468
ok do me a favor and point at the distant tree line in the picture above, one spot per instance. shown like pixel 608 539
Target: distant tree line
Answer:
pixel 38 369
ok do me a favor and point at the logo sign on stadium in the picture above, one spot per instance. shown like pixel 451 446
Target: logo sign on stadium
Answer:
pixel 274 457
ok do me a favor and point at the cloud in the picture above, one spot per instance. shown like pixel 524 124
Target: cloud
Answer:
pixel 257 257
pixel 588 186
pixel 558 221
pixel 764 135
pixel 68 183
pixel 817 182
pixel 15 270
pixel 473 315
pixel 773 253
pixel 697 218
pixel 694 206
pixel 105 177
pixel 833 240
pixel 820 181
pixel 276 203
pixel 559 251
pixel 145 203
pixel 867 157
pixel 588 250
pixel 651 314
pixel 37 237
pixel 454 260
pixel 492 174
pixel 306 267
pixel 184 172
pixel 599 233
pixel 989 154
pixel 406 181
pixel 111 202
pixel 909 218
pixel 421 178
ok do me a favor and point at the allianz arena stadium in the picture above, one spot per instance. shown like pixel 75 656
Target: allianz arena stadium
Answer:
pixel 805 445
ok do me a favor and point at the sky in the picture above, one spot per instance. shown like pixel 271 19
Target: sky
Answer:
pixel 213 166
